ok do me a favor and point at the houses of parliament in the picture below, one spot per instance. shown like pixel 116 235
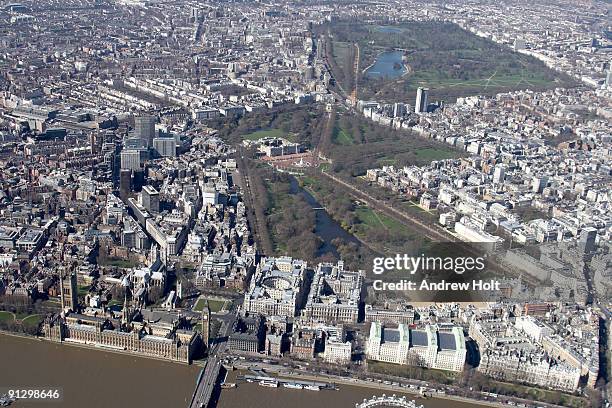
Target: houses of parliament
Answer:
pixel 135 331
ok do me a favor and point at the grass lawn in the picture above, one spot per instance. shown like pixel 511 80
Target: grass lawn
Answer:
pixel 309 182
pixel 373 219
pixel 450 61
pixel 368 217
pixel 488 81
pixel 412 207
pixel 21 316
pixel 115 305
pixel 214 305
pixel 6 316
pixel 82 290
pixel 264 133
pixel 429 154
pixel 384 233
pixel 118 262
pixel 341 50
pixel 115 302
pixel 32 320
pixel 342 137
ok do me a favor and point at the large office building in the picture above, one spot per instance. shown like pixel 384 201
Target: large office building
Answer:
pixel 144 129
pixel 397 315
pixel 388 344
pixel 169 232
pixel 587 240
pixel 304 343
pixel 522 362
pixel 125 183
pixel 334 295
pixel 438 347
pixel 421 100
pixel 276 288
pixel 133 159
pixel 165 146
pixel 150 199
pixel 247 335
pixel 337 349
pixel 530 352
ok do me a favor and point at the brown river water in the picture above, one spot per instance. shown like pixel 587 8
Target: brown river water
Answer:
pixel 100 379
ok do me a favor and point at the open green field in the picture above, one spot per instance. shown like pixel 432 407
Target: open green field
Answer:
pixel 259 134
pixel 53 303
pixel 21 315
pixel 429 154
pixel 373 219
pixel 115 302
pixel 358 144
pixel 341 50
pixel 341 54
pixel 6 316
pixel 32 320
pixel 441 56
pixel 296 123
pixel 118 262
pixel 28 320
pixel 342 137
pixel 384 233
pixel 214 305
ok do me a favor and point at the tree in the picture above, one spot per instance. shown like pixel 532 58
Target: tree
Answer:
pixel 155 294
pixel 118 292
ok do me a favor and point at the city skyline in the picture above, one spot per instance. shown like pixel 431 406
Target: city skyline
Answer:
pixel 215 186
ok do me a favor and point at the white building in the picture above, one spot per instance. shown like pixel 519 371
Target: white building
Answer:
pixel 533 328
pixel 276 288
pixel 388 345
pixel 470 232
pixel 337 350
pixel 436 347
pixel 334 294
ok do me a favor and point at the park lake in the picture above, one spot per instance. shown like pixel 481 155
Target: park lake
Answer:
pixel 388 64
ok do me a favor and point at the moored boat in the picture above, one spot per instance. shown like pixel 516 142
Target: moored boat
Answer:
pixel 269 383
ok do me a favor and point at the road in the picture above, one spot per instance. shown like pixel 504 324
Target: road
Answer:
pixel 356 67
pixel 258 225
pixel 206 385
pixel 207 382
pixel 381 382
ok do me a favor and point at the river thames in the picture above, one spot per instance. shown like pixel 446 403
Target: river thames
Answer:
pixel 95 378
pixel 92 378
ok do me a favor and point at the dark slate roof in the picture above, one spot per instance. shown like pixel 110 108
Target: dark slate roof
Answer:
pixel 326 269
pixel 447 341
pixel 418 338
pixel 391 335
